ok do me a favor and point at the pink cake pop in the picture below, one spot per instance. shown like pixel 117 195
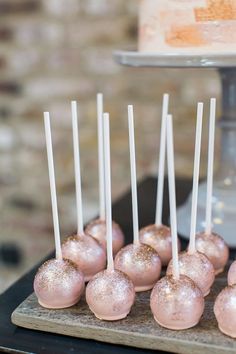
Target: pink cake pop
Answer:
pixel 192 263
pixel 97 227
pixel 139 261
pixel 176 301
pixel 110 294
pixel 82 249
pixel 158 235
pixel 232 274
pixel 208 242
pixel 58 282
pixel 225 310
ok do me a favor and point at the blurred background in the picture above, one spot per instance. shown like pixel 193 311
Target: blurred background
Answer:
pixel 53 51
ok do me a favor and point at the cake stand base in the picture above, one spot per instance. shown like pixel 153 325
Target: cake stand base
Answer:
pixel 224 188
pixel 223 214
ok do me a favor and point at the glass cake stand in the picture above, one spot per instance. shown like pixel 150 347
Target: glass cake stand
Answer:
pixel 224 189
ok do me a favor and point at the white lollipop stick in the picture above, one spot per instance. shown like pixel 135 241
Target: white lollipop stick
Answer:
pixel 197 154
pixel 172 197
pixel 80 222
pixel 52 185
pixel 210 167
pixel 133 175
pixel 107 166
pixel 100 155
pixel 161 168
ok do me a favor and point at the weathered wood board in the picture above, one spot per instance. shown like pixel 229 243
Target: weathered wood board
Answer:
pixel 138 330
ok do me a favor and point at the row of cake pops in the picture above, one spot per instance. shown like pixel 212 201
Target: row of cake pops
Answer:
pixel 141 263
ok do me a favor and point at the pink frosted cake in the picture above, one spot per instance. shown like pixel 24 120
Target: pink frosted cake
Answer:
pixel 170 26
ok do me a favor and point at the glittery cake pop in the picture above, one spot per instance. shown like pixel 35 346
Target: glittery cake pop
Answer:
pixel 82 249
pixel 214 247
pixel 225 310
pixel 176 301
pixel 110 294
pixel 208 242
pixel 158 235
pixel 232 274
pixel 97 227
pixel 191 262
pixel 58 282
pixel 139 261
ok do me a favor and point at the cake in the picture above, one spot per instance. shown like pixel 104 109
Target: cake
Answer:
pixel 172 26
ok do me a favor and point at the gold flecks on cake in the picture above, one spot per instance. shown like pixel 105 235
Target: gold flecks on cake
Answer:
pixel 216 10
pixel 185 36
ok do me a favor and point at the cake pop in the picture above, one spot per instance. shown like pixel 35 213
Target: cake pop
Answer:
pixel 232 274
pixel 225 310
pixel 192 263
pixel 58 282
pixel 176 301
pixel 208 242
pixel 110 294
pixel 139 261
pixel 97 227
pixel 82 249
pixel 158 235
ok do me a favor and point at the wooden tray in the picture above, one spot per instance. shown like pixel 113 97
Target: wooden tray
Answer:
pixel 138 330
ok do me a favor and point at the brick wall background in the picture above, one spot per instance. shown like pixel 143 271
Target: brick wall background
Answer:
pixel 52 51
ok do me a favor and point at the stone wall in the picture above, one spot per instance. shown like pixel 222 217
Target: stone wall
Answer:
pixel 53 51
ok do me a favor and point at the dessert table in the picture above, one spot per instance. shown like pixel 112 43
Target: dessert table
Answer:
pixel 14 339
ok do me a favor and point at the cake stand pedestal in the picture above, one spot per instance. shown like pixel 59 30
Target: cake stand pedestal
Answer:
pixel 224 189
